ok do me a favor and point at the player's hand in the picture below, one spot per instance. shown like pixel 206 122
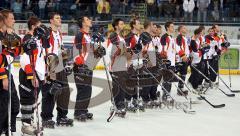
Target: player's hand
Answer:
pixel 184 59
pixel 35 83
pixel 5 84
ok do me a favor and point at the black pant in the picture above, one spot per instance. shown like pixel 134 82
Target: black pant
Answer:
pixel 131 94
pixel 214 64
pixel 150 92
pixel 62 99
pixel 183 72
pixel 84 89
pixel 206 69
pixel 196 78
pixel 27 96
pixel 4 95
pixel 119 87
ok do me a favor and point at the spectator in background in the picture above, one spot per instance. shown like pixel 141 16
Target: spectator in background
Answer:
pixel 41 6
pixel 151 8
pixel 202 9
pixel 188 7
pixel 88 6
pixel 123 5
pixel 103 9
pixel 169 8
pixel 215 12
pixel 50 6
pixel 179 8
pixel 160 8
pixel 114 4
pixel 3 4
pixel 17 9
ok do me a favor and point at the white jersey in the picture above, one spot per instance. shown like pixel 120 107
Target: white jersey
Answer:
pixel 168 45
pixel 39 60
pixel 86 47
pixel 182 47
pixel 195 54
pixel 117 49
pixel 56 45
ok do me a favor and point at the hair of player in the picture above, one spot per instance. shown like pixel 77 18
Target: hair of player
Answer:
pixel 5 13
pixel 214 26
pixel 1 17
pixel 158 26
pixel 52 14
pixel 180 27
pixel 33 20
pixel 197 31
pixel 116 22
pixel 201 27
pixel 146 24
pixel 81 20
pixel 209 29
pixel 167 25
pixel 133 22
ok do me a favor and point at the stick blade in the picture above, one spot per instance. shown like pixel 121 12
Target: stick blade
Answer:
pixel 219 106
pixel 235 91
pixel 231 95
pixel 112 114
pixel 189 112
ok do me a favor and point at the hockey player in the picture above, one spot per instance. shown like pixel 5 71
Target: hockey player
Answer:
pixel 89 52
pixel 197 51
pixel 208 57
pixel 183 52
pixel 220 48
pixel 32 73
pixel 156 37
pixel 52 91
pixel 149 54
pixel 118 65
pixel 167 52
pixel 132 43
pixel 10 48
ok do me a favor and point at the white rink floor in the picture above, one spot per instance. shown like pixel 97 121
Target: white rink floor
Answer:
pixel 158 122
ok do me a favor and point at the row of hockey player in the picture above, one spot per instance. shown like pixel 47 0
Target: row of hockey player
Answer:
pixel 162 51
pixel 45 66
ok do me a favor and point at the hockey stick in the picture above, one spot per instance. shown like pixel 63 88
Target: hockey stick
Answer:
pixel 179 78
pixel 230 79
pixel 229 95
pixel 203 98
pixel 200 96
pixel 10 98
pixel 164 89
pixel 39 130
pixel 112 114
pixel 233 91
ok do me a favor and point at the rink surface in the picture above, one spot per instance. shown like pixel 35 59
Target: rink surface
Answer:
pixel 155 122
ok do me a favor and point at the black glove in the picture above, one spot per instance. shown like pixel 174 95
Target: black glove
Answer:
pixel 172 68
pixel 41 32
pixel 138 48
pixel 114 38
pixel 166 63
pixel 55 87
pixel 145 38
pixel 205 49
pixel 98 37
pixel 178 65
pixel 68 68
pixel 217 50
pixel 29 46
pixel 99 52
pixel 225 44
